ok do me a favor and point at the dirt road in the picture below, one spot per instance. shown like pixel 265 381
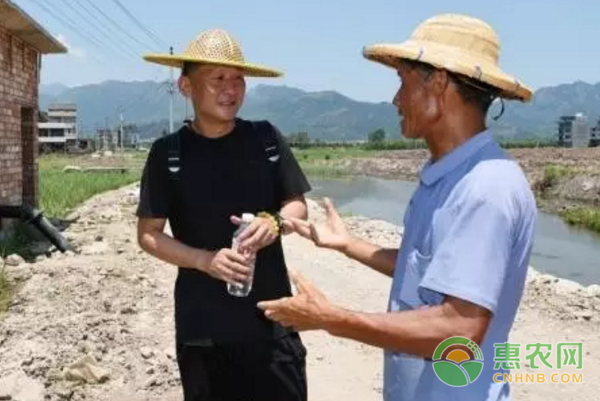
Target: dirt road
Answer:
pixel 113 303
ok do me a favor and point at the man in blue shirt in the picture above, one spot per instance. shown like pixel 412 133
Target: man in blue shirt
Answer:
pixel 462 264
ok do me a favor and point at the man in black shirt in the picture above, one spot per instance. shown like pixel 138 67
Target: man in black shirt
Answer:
pixel 202 178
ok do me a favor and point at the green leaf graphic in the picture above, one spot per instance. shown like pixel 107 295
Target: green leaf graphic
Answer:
pixel 450 373
pixel 473 369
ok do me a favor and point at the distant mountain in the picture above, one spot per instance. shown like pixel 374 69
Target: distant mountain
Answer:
pixel 325 115
pixel 53 89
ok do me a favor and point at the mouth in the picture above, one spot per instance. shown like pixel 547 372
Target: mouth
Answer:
pixel 229 103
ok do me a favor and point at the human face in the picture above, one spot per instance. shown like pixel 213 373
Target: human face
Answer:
pixel 416 104
pixel 217 92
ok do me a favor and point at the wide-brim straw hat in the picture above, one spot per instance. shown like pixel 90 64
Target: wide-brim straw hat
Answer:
pixel 458 43
pixel 214 47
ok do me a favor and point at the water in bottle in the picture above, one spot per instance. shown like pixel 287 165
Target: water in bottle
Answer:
pixel 242 290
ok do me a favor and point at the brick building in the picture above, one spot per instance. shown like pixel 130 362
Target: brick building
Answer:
pixel 22 43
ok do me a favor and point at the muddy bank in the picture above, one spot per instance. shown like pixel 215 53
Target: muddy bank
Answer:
pixel 574 182
pixel 97 324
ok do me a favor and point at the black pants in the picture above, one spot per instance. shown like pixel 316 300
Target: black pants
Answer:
pixel 257 371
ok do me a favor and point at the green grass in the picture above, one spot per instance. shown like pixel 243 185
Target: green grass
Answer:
pixel 332 153
pixel 323 171
pixel 553 174
pixel 5 291
pixel 61 192
pixel 583 217
pixel 15 243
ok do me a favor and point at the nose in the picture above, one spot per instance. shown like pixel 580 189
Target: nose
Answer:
pixel 396 102
pixel 229 86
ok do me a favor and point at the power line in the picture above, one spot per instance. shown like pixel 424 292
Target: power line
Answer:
pixel 116 25
pixel 102 28
pixel 140 25
pixel 71 27
pixel 112 47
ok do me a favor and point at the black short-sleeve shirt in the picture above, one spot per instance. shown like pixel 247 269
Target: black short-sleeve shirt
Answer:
pixel 218 178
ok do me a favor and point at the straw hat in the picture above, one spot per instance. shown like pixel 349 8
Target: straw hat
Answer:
pixel 214 47
pixel 457 43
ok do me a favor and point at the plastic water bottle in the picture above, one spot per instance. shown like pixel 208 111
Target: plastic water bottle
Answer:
pixel 242 290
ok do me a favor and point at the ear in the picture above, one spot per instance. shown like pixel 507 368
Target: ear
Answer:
pixel 185 86
pixel 439 82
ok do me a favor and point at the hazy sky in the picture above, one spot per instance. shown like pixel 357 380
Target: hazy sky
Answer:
pixel 317 44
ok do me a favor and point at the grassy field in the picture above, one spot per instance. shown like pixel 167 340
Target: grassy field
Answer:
pixel 61 191
pixel 321 161
pixel 583 217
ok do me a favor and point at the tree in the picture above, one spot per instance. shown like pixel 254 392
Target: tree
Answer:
pixel 376 137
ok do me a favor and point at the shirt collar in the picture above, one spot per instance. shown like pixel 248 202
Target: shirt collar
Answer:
pixel 432 172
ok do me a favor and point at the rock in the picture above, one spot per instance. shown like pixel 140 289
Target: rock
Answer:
pixel 151 370
pixel 151 382
pixel 86 370
pixel 146 353
pixel 97 248
pixel 585 315
pixel 19 272
pixel 69 169
pixel 547 279
pixel 169 353
pixel 64 393
pixel 98 238
pixel 128 310
pixel 19 387
pixel 594 290
pixel 13 260
pixel 567 287
pixel 73 217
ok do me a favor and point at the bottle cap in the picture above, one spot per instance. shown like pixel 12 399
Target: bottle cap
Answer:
pixel 247 217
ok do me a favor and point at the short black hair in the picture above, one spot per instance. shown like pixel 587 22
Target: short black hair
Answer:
pixel 188 68
pixel 471 91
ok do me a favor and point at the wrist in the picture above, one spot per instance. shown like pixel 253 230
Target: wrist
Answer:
pixel 346 246
pixel 203 259
pixel 333 320
pixel 273 220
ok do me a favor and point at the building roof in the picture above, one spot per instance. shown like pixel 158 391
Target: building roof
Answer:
pixel 21 25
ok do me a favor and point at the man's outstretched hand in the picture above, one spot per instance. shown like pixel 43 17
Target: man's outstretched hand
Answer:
pixel 309 309
pixel 333 234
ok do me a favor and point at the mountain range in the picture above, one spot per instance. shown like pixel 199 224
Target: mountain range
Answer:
pixel 325 115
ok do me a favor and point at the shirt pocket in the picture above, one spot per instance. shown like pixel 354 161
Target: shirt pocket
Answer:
pixel 416 266
pixel 441 223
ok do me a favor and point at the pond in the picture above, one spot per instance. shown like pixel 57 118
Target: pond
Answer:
pixel 559 249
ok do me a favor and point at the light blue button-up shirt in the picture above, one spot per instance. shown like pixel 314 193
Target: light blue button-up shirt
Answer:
pixel 468 233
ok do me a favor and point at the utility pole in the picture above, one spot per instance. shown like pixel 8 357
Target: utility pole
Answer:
pixel 121 136
pixel 172 93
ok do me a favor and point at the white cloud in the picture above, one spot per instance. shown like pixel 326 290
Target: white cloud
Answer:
pixel 74 51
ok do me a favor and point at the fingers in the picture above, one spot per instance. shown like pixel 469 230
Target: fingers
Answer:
pixel 301 227
pixel 231 267
pixel 237 257
pixel 271 305
pixel 330 210
pixel 249 231
pixel 262 237
pixel 301 283
pixel 236 220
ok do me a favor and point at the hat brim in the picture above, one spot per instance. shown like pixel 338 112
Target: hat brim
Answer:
pixel 177 61
pixel 391 55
